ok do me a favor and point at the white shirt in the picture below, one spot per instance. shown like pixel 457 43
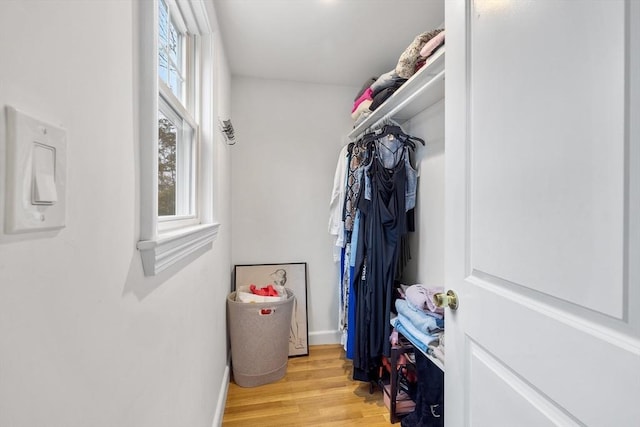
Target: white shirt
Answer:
pixel 336 205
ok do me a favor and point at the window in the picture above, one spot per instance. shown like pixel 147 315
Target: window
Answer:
pixel 176 117
pixel 176 165
pixel 175 86
pixel 171 40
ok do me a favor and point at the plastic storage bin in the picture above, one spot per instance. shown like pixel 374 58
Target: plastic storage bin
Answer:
pixel 259 334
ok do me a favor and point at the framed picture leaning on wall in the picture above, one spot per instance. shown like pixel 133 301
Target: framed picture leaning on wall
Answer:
pixel 292 276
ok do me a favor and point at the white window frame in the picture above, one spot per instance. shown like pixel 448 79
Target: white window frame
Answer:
pixel 169 241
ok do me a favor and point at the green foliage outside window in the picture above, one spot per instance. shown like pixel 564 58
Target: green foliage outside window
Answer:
pixel 166 167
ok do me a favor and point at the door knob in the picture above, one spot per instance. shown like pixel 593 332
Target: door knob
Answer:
pixel 449 299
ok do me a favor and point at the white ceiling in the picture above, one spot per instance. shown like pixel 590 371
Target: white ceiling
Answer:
pixel 322 41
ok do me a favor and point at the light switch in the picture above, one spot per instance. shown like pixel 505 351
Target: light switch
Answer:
pixel 44 179
pixel 36 174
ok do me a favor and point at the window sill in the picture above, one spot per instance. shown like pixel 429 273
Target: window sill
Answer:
pixel 172 246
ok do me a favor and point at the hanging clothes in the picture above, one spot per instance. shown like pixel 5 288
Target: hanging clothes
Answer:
pixel 379 189
pixel 385 221
pixel 336 220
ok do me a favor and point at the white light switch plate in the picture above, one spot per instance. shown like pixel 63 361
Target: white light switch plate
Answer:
pixel 29 174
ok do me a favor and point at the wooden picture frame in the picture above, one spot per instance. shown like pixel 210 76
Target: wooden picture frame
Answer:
pixel 294 277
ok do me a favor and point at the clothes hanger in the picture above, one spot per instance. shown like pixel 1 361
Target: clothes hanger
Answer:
pixel 388 126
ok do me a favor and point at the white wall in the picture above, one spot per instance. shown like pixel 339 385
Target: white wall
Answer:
pixel 427 243
pixel 289 136
pixel 85 338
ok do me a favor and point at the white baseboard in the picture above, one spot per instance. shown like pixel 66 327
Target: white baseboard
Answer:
pixel 324 337
pixel 222 397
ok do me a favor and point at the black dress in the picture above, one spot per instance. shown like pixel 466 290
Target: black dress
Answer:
pixel 385 223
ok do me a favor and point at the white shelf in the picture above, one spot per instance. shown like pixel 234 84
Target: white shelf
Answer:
pixel 422 90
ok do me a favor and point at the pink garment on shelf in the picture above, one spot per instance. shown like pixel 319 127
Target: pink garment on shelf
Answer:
pixel 367 94
pixel 432 44
pixel 362 108
pixel 421 297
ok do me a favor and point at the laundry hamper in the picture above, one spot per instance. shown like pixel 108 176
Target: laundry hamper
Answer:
pixel 259 334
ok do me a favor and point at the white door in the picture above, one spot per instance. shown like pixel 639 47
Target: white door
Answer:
pixel 543 213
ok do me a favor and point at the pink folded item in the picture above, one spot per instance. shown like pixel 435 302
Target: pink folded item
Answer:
pixel 421 297
pixel 367 94
pixel 362 107
pixel 432 45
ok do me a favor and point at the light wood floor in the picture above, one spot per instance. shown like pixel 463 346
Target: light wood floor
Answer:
pixel 316 391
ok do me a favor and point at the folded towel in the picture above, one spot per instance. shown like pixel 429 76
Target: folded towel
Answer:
pixel 421 297
pixel 420 319
pixel 417 338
